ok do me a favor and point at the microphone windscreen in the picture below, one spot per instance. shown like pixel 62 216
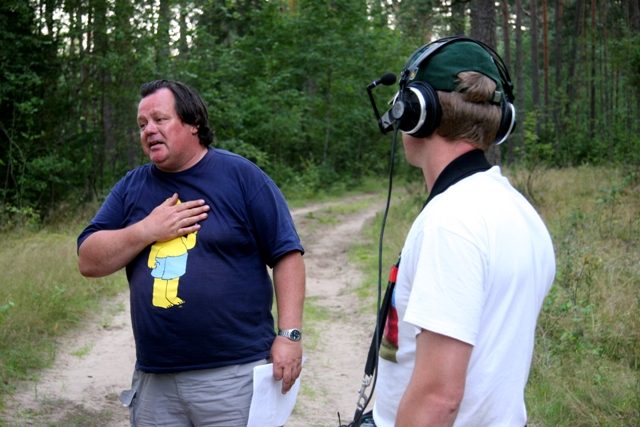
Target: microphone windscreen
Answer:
pixel 388 79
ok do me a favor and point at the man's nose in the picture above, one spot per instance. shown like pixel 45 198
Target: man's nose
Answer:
pixel 150 128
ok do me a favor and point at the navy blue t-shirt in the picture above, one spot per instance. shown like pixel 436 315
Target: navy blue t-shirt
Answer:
pixel 224 293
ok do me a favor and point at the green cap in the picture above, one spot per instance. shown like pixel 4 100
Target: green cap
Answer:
pixel 441 69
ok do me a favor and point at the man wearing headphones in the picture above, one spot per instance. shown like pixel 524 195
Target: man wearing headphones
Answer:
pixel 196 229
pixel 478 260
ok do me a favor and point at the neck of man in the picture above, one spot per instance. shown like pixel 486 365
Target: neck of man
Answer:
pixel 438 153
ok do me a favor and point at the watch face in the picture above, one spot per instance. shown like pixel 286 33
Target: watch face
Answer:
pixel 295 335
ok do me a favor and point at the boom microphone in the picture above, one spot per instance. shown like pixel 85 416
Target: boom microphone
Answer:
pixel 387 79
pixel 384 123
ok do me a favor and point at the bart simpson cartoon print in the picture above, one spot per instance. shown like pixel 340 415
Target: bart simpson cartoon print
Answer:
pixel 168 261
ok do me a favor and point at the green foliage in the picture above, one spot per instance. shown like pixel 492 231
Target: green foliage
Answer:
pixel 27 67
pixel 534 152
pixel 15 218
pixel 249 151
pixel 285 85
pixel 626 55
pixel 297 87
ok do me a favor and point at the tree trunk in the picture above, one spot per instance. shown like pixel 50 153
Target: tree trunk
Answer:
pixel 535 81
pixel 162 38
pixel 506 31
pixel 104 142
pixel 606 82
pixel 483 21
pixel 558 62
pixel 634 15
pixel 592 90
pixel 545 51
pixel 519 83
pixel 483 28
pixel 558 42
pixel 571 81
pixel 458 8
pixel 183 47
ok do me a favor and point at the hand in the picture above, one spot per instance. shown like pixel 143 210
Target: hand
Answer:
pixel 172 219
pixel 286 356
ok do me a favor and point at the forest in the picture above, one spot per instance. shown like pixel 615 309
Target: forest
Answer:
pixel 285 83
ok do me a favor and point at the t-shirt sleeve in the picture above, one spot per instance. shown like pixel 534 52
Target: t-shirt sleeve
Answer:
pixel 447 294
pixel 272 223
pixel 110 216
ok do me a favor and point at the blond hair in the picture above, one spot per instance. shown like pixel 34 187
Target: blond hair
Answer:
pixel 468 112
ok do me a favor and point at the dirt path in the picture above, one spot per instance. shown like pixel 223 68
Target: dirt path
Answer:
pixel 95 363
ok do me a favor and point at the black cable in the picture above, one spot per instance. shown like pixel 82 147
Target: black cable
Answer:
pixel 380 265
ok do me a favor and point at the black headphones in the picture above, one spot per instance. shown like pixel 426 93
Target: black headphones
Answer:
pixel 416 108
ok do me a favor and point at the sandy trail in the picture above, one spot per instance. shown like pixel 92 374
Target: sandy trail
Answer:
pixel 95 363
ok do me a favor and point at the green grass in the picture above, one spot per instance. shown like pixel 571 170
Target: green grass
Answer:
pixel 41 297
pixel 586 368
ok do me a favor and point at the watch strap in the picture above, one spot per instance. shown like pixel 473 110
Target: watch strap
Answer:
pixel 294 334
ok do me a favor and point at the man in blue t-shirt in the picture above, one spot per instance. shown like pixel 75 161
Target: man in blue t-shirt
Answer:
pixel 196 229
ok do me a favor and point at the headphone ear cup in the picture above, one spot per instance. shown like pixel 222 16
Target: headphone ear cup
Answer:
pixel 507 121
pixel 417 109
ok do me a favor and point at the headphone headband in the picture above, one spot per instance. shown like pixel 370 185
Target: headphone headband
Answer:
pixel 429 50
pixel 416 108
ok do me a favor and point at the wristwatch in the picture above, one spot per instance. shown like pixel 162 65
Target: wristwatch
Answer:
pixel 292 334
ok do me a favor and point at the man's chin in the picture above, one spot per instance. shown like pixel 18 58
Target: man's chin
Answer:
pixel 157 154
pixel 160 162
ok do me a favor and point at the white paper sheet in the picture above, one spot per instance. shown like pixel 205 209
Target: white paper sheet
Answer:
pixel 269 407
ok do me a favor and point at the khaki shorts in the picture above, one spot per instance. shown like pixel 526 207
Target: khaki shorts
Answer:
pixel 217 397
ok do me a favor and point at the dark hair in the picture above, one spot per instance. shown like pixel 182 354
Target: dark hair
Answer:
pixel 188 104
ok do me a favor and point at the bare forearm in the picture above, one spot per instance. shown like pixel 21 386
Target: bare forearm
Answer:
pixel 289 283
pixel 107 251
